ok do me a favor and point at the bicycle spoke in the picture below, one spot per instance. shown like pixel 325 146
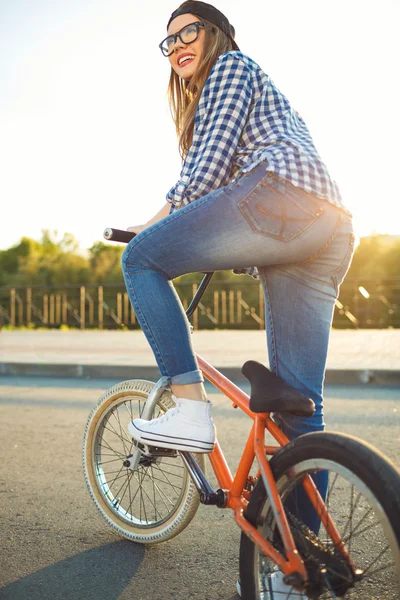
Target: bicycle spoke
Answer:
pixel 103 442
pixel 146 497
pixel 115 432
pixel 114 480
pixel 167 480
pixel 169 472
pixel 127 486
pixel 106 454
pixel 330 490
pixel 161 494
pixel 383 568
pixel 123 475
pixel 154 490
pixel 136 493
pixel 118 477
pixel 130 413
pixel 130 495
pixel 174 487
pixel 367 513
pixel 115 414
pixel 175 466
pixel 142 500
pixel 105 462
pixel 355 535
pixel 331 592
pixel 373 562
pixel 110 472
pixel 351 514
pixel 353 508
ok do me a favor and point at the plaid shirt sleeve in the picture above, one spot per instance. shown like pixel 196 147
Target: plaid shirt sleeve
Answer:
pixel 220 118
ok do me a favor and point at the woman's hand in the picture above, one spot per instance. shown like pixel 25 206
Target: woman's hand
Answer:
pixel 136 228
pixel 164 212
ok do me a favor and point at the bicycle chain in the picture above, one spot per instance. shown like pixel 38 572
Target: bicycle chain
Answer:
pixel 336 571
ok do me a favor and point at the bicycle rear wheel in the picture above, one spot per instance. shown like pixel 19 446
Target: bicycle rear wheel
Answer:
pixel 156 501
pixel 364 501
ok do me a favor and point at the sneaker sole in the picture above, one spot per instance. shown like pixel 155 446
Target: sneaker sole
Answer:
pixel 180 444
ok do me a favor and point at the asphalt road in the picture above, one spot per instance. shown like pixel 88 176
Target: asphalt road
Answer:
pixel 53 543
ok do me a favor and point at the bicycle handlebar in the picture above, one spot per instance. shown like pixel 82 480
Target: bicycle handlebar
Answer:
pixel 118 235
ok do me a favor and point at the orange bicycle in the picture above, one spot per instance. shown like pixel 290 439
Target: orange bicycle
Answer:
pixel 149 495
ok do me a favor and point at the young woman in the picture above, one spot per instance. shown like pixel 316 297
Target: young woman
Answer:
pixel 253 191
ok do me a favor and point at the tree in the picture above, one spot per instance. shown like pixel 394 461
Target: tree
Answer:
pixel 105 263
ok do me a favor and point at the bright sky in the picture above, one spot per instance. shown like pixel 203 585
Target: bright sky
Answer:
pixel 86 139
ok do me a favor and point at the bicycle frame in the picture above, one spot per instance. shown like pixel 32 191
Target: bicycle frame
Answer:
pixel 234 494
pixel 234 487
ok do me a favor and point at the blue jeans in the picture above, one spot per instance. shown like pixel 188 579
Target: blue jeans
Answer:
pixel 302 246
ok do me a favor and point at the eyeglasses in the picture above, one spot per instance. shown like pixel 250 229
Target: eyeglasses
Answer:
pixel 187 35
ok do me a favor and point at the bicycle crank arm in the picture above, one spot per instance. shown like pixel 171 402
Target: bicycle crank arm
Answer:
pixel 207 494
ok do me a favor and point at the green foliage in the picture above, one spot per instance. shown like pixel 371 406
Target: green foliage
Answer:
pixel 58 262
pixel 376 256
pixel 105 263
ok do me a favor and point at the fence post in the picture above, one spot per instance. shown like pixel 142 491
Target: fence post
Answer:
pixel 51 310
pixel 239 306
pixel 82 306
pixel 216 306
pixel 12 307
pixel 119 307
pixel 126 308
pixel 64 317
pixel 58 309
pixel 91 309
pixel 46 309
pixel 100 299
pixel 28 306
pixel 231 307
pixel 223 302
pixel 20 310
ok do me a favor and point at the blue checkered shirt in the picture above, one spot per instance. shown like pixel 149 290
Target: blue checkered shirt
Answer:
pixel 241 120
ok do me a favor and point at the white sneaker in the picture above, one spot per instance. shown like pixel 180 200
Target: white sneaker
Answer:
pixel 277 588
pixel 188 427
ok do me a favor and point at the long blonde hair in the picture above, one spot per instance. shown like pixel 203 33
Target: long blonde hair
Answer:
pixel 184 96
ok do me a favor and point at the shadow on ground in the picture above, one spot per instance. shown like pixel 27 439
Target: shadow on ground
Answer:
pixel 97 574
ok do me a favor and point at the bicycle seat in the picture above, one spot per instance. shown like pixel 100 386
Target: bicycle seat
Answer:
pixel 269 393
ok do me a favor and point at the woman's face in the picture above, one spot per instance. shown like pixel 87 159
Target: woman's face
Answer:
pixel 185 68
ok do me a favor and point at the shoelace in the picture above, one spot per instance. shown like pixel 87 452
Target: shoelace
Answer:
pixel 171 412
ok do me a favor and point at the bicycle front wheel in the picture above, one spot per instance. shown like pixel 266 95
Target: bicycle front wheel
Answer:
pixel 363 500
pixel 156 501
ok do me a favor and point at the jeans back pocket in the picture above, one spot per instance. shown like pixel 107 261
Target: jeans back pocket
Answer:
pixel 277 209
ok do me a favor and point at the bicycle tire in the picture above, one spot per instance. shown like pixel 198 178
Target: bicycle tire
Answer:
pixel 127 509
pixel 366 470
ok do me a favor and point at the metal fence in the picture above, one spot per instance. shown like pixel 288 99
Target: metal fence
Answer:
pixel 226 305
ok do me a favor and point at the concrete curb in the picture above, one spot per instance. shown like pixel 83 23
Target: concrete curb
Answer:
pixel 123 372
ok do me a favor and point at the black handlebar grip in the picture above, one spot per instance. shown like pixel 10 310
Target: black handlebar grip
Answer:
pixel 118 235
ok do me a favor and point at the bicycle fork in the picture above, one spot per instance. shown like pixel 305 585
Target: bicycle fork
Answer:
pixel 132 461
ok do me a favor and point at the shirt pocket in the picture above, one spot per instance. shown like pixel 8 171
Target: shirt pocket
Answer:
pixel 277 209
